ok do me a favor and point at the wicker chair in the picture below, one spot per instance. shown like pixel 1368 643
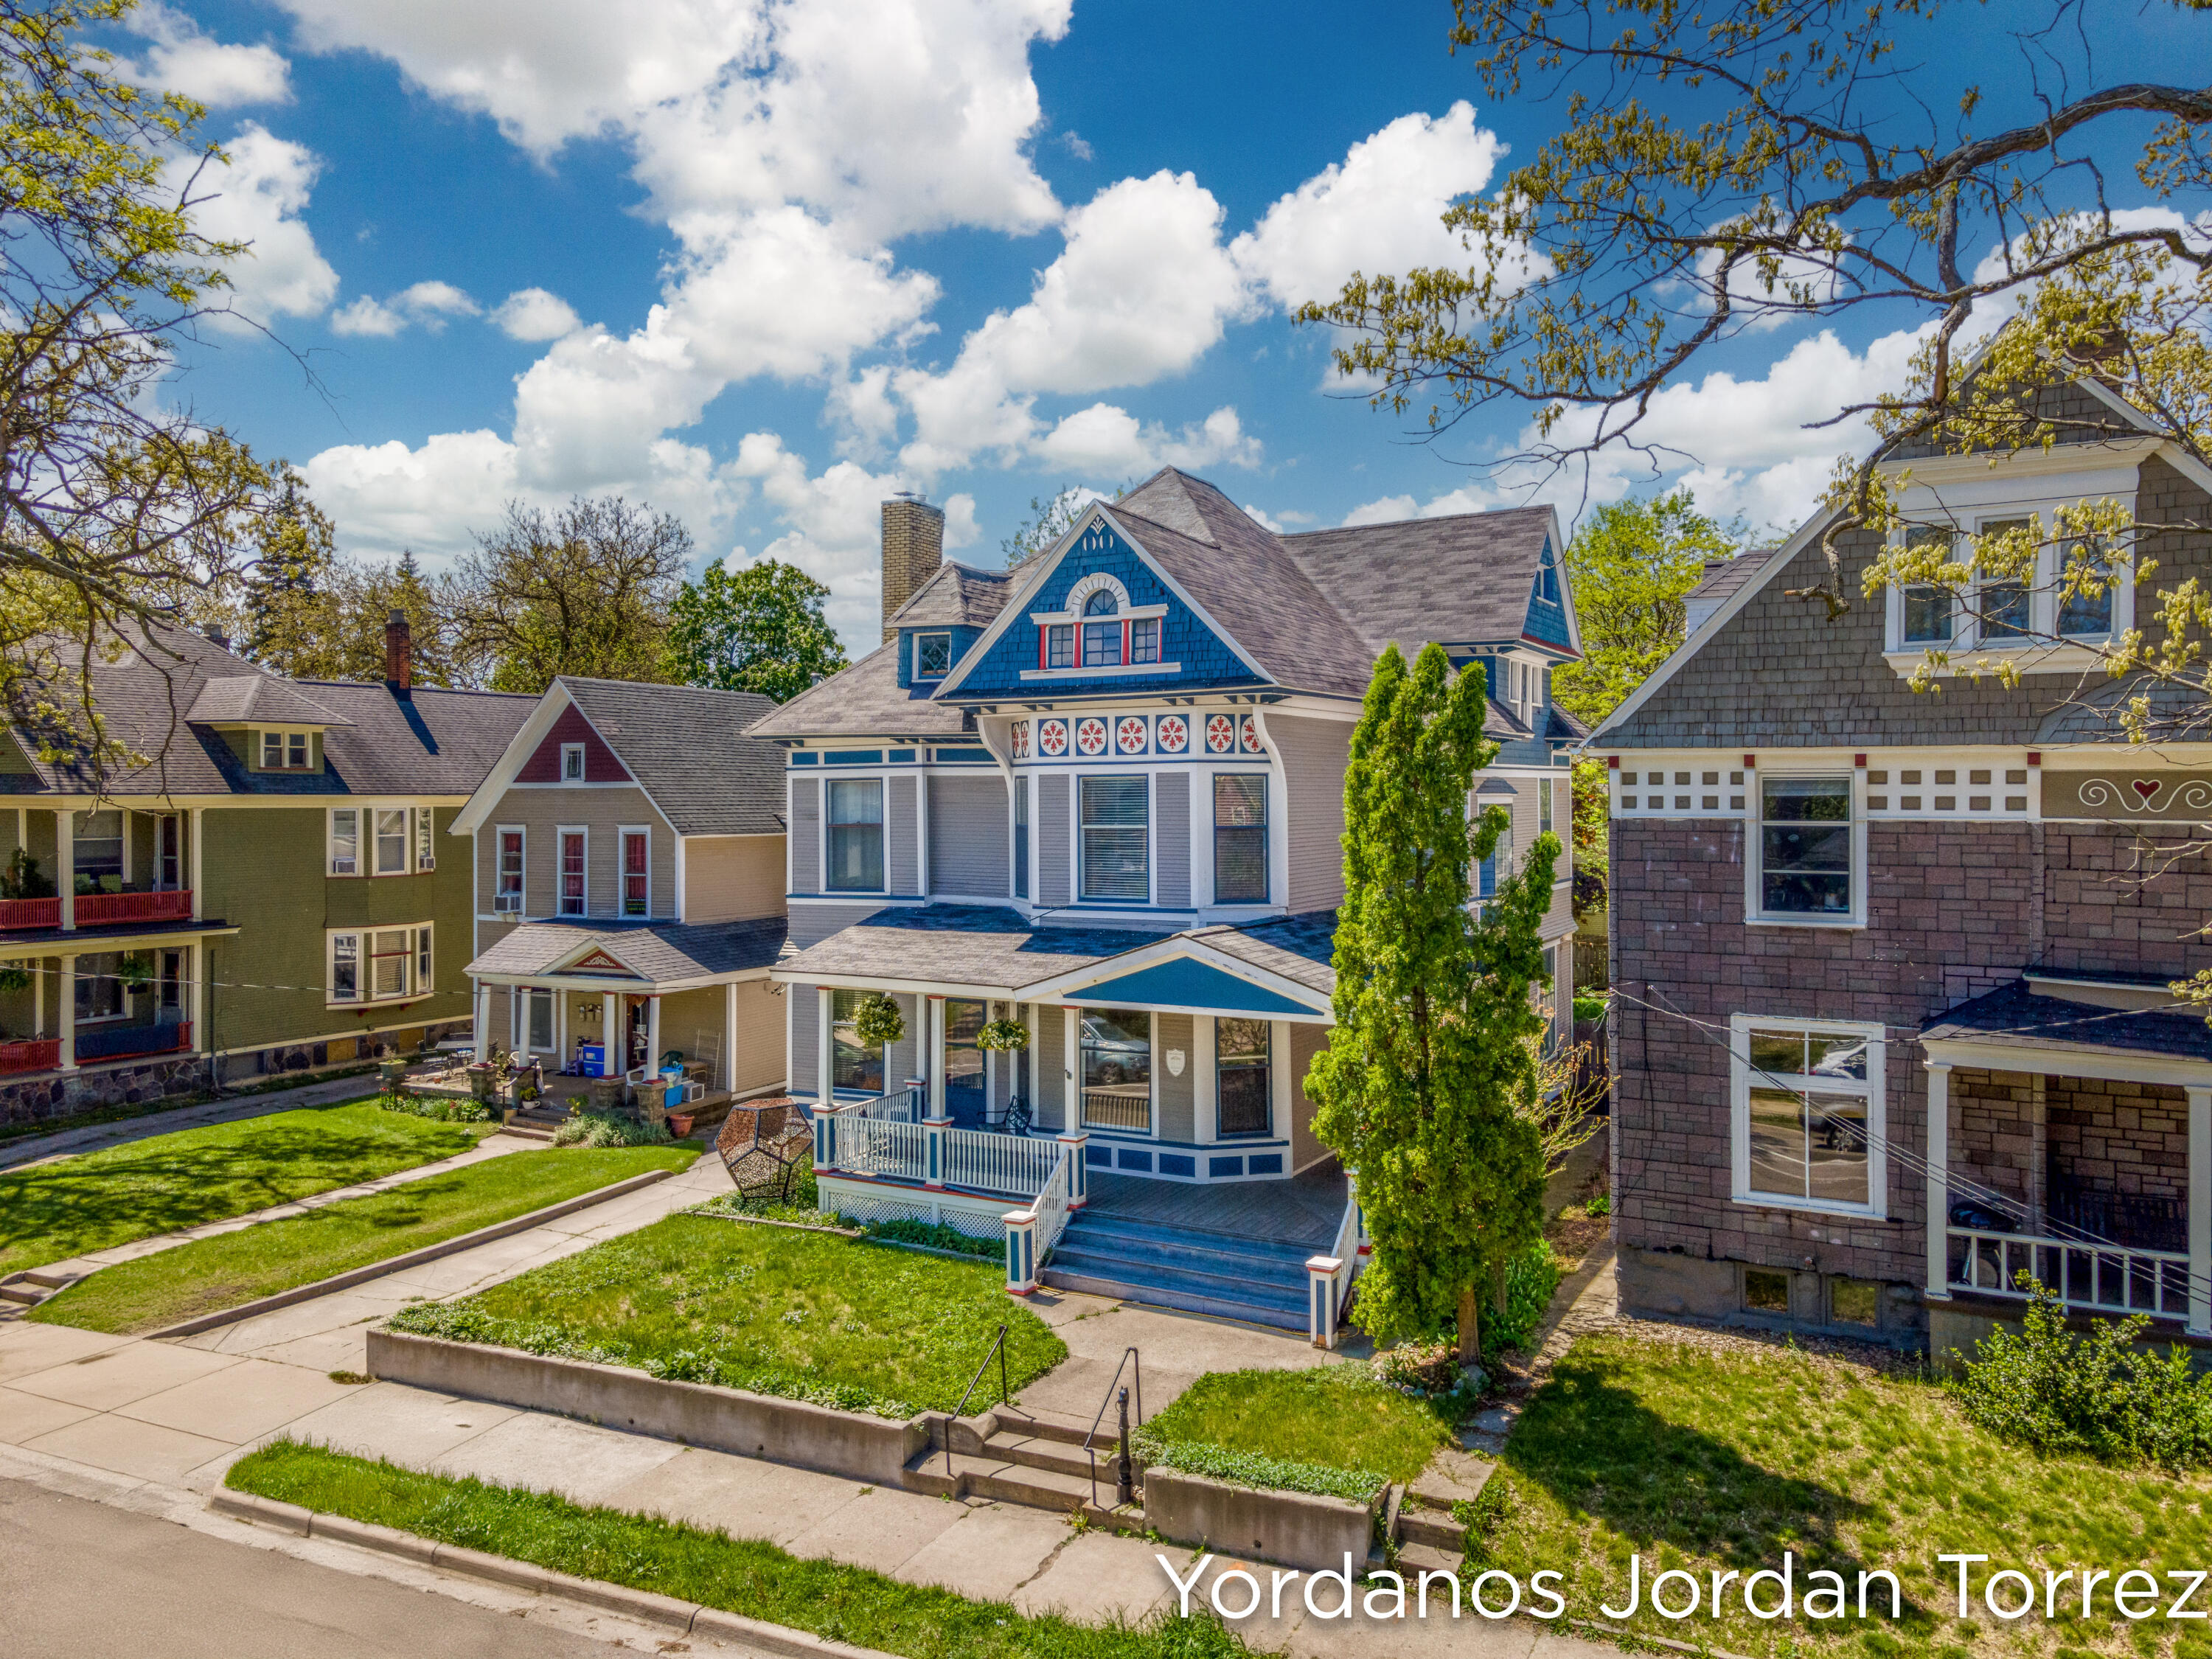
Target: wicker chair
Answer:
pixel 763 1144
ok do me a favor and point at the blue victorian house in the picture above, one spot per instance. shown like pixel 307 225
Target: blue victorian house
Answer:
pixel 1100 797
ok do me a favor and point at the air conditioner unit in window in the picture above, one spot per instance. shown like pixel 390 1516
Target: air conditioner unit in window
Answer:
pixel 426 864
pixel 507 901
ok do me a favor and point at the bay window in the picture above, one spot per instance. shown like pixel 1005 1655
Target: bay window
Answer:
pixel 2083 614
pixel 1116 838
pixel 1240 839
pixel 1244 1102
pixel 2005 602
pixel 1805 847
pixel 855 836
pixel 1807 1114
pixel 380 964
pixel 1117 1068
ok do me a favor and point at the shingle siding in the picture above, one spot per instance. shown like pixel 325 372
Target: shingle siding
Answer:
pixel 968 854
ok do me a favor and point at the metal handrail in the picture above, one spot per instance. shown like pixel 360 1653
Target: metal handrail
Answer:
pixel 998 1348
pixel 1132 1358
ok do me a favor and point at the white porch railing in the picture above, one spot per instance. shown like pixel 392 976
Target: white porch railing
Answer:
pixel 1014 1164
pixel 2105 1277
pixel 900 1106
pixel 873 1146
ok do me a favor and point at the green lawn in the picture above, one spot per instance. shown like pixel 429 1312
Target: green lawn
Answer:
pixel 1333 1416
pixel 847 1604
pixel 169 1182
pixel 222 1272
pixel 1707 1459
pixel 861 1325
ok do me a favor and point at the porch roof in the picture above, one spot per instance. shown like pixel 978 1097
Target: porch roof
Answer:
pixel 2013 1017
pixel 963 945
pixel 1302 948
pixel 662 953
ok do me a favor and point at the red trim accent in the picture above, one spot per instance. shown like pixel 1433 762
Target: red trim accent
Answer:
pixel 2035 757
pixel 1125 641
pixel 1613 763
pixel 29 913
pixel 1858 760
pixel 1750 761
pixel 31 1054
pixel 170 905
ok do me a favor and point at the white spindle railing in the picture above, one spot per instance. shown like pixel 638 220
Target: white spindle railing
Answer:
pixel 1014 1164
pixel 2103 1276
pixel 1051 1206
pixel 867 1145
pixel 900 1106
pixel 1346 1249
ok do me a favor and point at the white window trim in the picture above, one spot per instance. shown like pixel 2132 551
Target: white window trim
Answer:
pixel 1740 1030
pixel 622 833
pixel 583 762
pixel 521 833
pixel 407 844
pixel 329 843
pixel 423 843
pixel 1151 837
pixel 883 782
pixel 364 980
pixel 2035 654
pixel 1754 855
pixel 561 832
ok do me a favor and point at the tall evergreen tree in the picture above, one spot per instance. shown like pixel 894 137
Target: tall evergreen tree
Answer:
pixel 1425 1087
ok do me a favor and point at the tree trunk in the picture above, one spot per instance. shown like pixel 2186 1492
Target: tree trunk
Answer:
pixel 1470 1328
pixel 1497 1290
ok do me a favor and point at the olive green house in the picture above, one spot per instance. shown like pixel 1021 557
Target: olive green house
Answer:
pixel 264 880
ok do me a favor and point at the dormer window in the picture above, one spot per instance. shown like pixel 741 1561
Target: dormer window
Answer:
pixel 1100 629
pixel 933 656
pixel 1101 641
pixel 283 752
pixel 1060 645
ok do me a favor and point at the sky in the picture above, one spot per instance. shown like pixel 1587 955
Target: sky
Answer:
pixel 760 262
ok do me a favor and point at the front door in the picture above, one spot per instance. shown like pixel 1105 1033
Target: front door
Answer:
pixel 169 1004
pixel 963 1063
pixel 640 1012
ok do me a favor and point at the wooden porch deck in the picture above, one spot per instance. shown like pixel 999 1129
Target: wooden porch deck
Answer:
pixel 1304 1211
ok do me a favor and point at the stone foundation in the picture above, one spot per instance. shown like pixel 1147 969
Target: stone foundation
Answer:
pixel 1660 1284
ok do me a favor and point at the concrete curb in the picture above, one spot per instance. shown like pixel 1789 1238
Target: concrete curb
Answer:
pixel 648 1607
pixel 454 1246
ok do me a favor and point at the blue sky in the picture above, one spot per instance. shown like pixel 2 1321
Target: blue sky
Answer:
pixel 759 264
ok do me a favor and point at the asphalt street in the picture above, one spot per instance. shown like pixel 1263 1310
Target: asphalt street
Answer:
pixel 84 1581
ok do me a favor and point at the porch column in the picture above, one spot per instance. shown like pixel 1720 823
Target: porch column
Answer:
pixel 65 872
pixel 1070 1095
pixel 483 1022
pixel 1359 1238
pixel 38 994
pixel 1021 1251
pixel 652 1034
pixel 196 964
pixel 2200 1210
pixel 825 1087
pixel 1320 1300
pixel 1939 1180
pixel 192 857
pixel 729 1037
pixel 1077 1148
pixel 65 994
pixel 933 1065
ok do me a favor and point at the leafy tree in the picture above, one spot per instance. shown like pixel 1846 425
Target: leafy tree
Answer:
pixel 760 629
pixel 1427 1086
pixel 1631 563
pixel 118 505
pixel 587 590
pixel 1592 823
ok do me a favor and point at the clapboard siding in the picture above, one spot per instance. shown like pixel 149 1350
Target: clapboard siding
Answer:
pixel 1174 1095
pixel 1051 839
pixel 900 862
pixel 969 853
pixel 1314 754
pixel 806 1036
pixel 812 923
pixel 1051 1085
pixel 805 834
pixel 732 878
pixel 1171 837
pixel 1306 1042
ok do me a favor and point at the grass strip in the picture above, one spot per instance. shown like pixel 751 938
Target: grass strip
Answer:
pixel 807 1315
pixel 744 1576
pixel 163 1184
pixel 232 1269
pixel 1331 1429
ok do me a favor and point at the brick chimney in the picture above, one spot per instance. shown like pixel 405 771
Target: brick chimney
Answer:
pixel 914 547
pixel 399 656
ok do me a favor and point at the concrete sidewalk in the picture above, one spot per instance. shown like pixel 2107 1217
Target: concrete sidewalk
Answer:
pixel 96 1137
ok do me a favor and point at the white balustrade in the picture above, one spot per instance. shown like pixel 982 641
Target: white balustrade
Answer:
pixel 1051 1206
pixel 2105 1277
pixel 900 1106
pixel 875 1146
pixel 998 1164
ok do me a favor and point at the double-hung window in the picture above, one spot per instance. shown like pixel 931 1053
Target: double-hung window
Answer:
pixel 1243 1105
pixel 855 836
pixel 2083 614
pixel 1499 864
pixel 636 873
pixel 853 1064
pixel 96 850
pixel 1116 834
pixel 574 883
pixel 1145 640
pixel 345 840
pixel 572 762
pixel 1544 787
pixel 2006 601
pixel 1805 847
pixel 508 894
pixel 1240 838
pixel 283 752
pixel 380 964
pixel 1101 641
pixel 1929 619
pixel 426 824
pixel 391 840
pixel 1807 1114
pixel 1060 645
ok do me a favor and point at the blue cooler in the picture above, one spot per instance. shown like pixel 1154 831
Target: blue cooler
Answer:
pixel 592 1058
pixel 672 1095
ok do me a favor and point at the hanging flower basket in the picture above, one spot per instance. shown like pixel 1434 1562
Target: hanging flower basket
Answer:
pixel 1003 1036
pixel 879 1023
pixel 15 977
pixel 136 972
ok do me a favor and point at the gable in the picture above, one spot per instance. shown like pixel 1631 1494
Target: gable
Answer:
pixel 1014 662
pixel 1547 616
pixel 597 961
pixel 1187 983
pixel 600 764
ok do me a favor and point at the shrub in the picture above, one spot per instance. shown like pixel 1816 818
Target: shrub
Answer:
pixel 1598 1204
pixel 1530 1279
pixel 1422 1369
pixel 937 1235
pixel 1242 1469
pixel 2100 1394
pixel 437 1110
pixel 610 1129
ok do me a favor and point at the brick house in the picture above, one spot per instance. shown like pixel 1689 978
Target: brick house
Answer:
pixel 1893 1022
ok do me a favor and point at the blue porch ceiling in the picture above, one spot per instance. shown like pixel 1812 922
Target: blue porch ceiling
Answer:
pixel 1185 982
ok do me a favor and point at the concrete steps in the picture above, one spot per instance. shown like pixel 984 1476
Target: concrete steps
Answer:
pixel 1228 1277
pixel 538 1120
pixel 33 1286
pixel 1011 1457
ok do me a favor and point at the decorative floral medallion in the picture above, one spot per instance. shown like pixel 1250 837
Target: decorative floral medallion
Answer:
pixel 1174 734
pixel 1021 739
pixel 1091 735
pixel 1129 734
pixel 1250 731
pixel 1220 734
pixel 1052 737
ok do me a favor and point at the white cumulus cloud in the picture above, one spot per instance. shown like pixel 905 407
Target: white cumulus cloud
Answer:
pixel 257 198
pixel 534 314
pixel 180 58
pixel 428 304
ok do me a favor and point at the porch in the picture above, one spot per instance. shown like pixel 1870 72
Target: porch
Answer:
pixel 2070 1138
pixel 102 997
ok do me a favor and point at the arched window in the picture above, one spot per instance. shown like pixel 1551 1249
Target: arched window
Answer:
pixel 1100 603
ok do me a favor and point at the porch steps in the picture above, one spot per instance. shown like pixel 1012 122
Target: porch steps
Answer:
pixel 539 1121
pixel 1259 1281
pixel 1034 1463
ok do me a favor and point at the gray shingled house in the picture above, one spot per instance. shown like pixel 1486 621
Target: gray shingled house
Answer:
pixel 629 887
pixel 1892 1022
pixel 1100 796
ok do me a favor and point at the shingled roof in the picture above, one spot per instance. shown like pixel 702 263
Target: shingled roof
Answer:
pixel 150 689
pixel 661 952
pixel 1459 581
pixel 688 747
pixel 958 944
pixel 866 701
pixel 956 595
